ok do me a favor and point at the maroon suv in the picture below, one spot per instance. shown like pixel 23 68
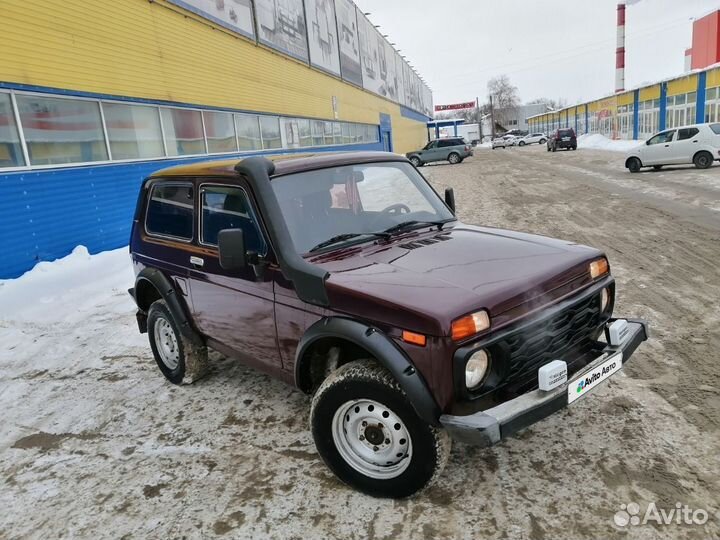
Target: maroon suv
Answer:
pixel 347 276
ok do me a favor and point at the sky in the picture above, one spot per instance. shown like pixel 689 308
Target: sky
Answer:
pixel 549 48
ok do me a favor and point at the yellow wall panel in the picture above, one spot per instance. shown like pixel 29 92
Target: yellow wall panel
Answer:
pixel 713 78
pixel 682 85
pixel 626 99
pixel 651 92
pixel 155 50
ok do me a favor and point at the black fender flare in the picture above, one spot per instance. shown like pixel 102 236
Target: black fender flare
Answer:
pixel 384 350
pixel 166 289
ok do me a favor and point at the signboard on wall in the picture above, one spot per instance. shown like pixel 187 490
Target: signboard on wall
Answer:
pixel 281 25
pixel 236 15
pixel 322 35
pixel 347 28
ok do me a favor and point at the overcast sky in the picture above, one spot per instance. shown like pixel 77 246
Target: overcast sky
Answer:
pixel 548 48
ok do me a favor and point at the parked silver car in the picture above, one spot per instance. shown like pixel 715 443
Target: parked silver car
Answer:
pixel 452 149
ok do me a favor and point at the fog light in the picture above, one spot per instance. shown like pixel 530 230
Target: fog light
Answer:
pixel 604 299
pixel 476 368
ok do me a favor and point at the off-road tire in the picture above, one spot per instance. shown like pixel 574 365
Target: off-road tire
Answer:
pixel 454 158
pixel 366 380
pixel 416 161
pixel 193 359
pixel 634 165
pixel 703 160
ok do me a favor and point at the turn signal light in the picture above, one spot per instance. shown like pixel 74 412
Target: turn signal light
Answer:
pixel 599 268
pixel 470 325
pixel 412 337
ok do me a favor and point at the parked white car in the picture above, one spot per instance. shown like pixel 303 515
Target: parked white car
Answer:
pixel 533 138
pixel 503 142
pixel 698 144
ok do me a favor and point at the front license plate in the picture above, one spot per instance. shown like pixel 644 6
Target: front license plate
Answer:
pixel 590 379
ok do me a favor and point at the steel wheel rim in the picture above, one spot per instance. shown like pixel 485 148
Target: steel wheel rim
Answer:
pixel 372 439
pixel 166 343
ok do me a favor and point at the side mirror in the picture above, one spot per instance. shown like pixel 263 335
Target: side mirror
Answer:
pixel 231 247
pixel 450 198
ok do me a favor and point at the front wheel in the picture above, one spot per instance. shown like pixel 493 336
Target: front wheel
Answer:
pixel 703 160
pixel 521 143
pixel 368 434
pixel 416 161
pixel 454 158
pixel 633 165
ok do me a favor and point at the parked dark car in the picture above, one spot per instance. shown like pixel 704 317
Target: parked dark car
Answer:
pixel 452 149
pixel 562 138
pixel 348 277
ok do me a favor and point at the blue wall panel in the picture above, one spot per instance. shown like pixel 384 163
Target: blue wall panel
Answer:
pixel 44 214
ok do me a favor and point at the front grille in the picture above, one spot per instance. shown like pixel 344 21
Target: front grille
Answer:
pixel 564 336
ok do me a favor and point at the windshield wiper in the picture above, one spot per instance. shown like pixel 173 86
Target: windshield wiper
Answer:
pixel 347 236
pixel 413 222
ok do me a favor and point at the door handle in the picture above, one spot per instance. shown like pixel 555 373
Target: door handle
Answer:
pixel 197 261
pixel 694 141
pixel 667 146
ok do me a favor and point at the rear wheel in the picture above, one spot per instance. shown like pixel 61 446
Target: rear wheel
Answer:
pixel 554 148
pixel 703 160
pixel 416 161
pixel 369 435
pixel 179 360
pixel 633 165
pixel 454 158
pixel 542 141
pixel 521 143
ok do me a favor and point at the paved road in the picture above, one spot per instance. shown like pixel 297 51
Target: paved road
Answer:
pixel 100 446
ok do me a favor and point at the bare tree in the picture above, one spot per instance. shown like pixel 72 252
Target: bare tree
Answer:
pixel 505 98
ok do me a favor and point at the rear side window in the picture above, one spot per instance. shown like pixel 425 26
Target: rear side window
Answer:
pixel 170 211
pixel 687 133
pixel 448 142
pixel 715 128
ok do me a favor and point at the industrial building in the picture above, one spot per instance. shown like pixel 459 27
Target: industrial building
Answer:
pixel 639 113
pixel 94 96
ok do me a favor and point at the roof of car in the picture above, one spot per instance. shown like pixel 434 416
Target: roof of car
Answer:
pixel 284 164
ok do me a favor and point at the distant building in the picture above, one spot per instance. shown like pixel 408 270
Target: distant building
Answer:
pixel 705 50
pixel 509 119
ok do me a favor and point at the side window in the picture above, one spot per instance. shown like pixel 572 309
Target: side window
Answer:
pixel 170 211
pixel 225 207
pixel 687 133
pixel 445 144
pixel 661 138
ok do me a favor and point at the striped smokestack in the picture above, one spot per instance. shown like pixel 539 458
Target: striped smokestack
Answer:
pixel 620 51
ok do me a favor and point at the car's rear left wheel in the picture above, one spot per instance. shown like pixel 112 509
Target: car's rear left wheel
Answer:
pixel 703 160
pixel 368 434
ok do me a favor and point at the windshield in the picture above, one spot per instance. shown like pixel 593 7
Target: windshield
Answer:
pixel 359 200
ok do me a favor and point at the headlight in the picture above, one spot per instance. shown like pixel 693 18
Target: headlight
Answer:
pixel 470 325
pixel 599 267
pixel 476 368
pixel 604 299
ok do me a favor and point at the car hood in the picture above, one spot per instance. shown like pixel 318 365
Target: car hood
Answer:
pixel 424 280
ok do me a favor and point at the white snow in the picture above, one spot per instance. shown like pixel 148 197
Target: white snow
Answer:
pixel 66 289
pixel 600 142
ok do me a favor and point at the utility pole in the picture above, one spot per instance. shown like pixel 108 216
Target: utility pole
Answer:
pixel 492 118
pixel 478 118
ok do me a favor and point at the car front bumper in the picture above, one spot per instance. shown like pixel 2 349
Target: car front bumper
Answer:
pixel 489 427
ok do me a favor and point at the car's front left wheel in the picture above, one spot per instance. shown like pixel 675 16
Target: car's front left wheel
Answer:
pixel 416 161
pixel 369 435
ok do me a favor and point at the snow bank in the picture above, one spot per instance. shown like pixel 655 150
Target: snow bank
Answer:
pixel 64 289
pixel 600 142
